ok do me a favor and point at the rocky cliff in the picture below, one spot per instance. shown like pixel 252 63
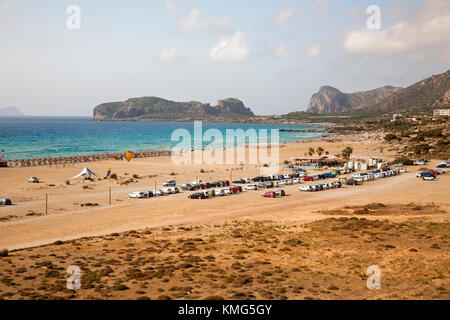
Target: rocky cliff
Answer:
pixel 423 96
pixel 153 108
pixel 330 99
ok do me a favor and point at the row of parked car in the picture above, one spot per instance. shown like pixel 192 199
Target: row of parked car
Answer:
pixel 443 164
pixel 322 186
pixel 154 193
pixel 377 174
pixel 430 175
pixel 216 193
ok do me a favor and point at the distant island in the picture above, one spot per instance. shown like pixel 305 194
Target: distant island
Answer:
pixel 158 109
pixel 10 112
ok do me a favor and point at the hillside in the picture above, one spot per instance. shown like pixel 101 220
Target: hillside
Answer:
pixel 153 108
pixel 423 96
pixel 330 99
pixel 10 112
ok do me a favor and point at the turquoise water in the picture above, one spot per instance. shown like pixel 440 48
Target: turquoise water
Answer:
pixel 38 137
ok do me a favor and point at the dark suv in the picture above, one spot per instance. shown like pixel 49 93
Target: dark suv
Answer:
pixel 5 202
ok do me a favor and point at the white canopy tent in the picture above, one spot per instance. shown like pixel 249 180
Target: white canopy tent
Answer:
pixel 86 172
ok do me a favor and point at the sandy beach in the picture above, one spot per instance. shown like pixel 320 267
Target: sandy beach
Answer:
pixel 25 224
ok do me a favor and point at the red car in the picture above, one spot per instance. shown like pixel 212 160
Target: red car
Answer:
pixel 234 189
pixel 308 179
pixel 238 188
pixel 269 194
pixel 434 172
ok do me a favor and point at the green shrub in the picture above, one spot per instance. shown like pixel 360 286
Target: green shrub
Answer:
pixel 390 137
pixel 113 176
pixel 403 160
pixel 4 253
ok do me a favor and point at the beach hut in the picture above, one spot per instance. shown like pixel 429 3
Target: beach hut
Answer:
pixel 86 173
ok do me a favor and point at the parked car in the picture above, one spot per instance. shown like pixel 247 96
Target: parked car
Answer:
pixel 423 174
pixel 306 188
pixel 428 177
pixel 269 194
pixel 296 180
pixel 33 180
pixel 308 178
pixel 420 162
pixel 239 181
pixel 170 183
pixel 439 171
pixel 188 187
pixel 137 195
pixel 219 193
pixel 5 202
pixel 251 187
pixel 280 193
pixel 149 194
pixel 351 182
pixel 159 193
pixel 197 195
pixel 443 165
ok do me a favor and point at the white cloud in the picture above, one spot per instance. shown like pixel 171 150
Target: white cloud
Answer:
pixel 169 55
pixel 170 6
pixel 424 34
pixel 283 15
pixel 194 21
pixel 281 51
pixel 230 49
pixel 314 51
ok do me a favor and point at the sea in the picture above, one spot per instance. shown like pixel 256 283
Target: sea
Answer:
pixel 44 137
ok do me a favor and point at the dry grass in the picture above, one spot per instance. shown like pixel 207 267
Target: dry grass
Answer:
pixel 326 259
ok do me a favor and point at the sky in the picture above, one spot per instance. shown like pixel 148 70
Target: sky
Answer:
pixel 271 54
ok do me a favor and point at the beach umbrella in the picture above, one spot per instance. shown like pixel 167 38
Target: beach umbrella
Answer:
pixel 129 155
pixel 86 172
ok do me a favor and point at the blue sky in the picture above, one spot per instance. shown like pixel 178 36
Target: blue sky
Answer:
pixel 273 55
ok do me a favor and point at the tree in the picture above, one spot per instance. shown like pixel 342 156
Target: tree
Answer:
pixel 347 152
pixel 320 151
pixel 311 151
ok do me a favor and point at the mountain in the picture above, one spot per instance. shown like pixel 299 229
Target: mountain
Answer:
pixel 10 112
pixel 423 96
pixel 330 99
pixel 153 108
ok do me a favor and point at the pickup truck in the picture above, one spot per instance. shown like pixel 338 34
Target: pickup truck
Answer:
pixel 170 183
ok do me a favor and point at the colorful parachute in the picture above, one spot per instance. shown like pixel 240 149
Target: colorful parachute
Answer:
pixel 129 155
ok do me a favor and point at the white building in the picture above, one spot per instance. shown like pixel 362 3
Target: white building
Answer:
pixel 441 112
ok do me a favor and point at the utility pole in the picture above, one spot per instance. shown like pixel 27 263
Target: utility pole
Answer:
pixel 109 195
pixel 231 175
pixel 46 203
pixel 155 186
